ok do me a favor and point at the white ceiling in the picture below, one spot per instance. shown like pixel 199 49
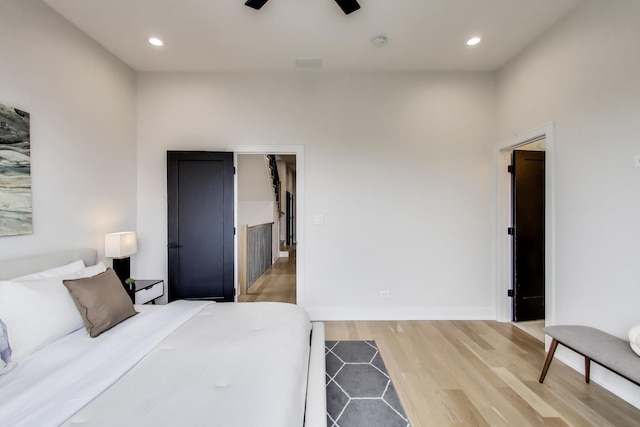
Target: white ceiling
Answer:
pixel 225 35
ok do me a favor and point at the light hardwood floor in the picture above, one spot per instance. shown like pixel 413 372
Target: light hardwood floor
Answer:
pixel 277 284
pixel 483 373
pixel 468 373
pixel 532 327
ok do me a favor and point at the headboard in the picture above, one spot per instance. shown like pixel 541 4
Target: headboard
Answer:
pixel 32 264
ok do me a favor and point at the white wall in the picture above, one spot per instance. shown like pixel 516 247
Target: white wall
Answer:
pixel 585 76
pixel 83 129
pixel 256 198
pixel 399 164
pixel 255 193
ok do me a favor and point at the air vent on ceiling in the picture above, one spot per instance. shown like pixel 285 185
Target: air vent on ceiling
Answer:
pixel 308 63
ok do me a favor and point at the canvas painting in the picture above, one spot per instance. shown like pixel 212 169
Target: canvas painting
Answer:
pixel 15 172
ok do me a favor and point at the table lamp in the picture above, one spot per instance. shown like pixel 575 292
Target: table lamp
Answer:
pixel 120 246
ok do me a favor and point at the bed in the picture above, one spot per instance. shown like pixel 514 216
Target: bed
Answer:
pixel 190 363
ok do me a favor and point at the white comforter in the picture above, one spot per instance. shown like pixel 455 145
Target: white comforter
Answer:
pixel 187 363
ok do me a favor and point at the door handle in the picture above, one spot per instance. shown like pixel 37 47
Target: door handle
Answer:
pixel 174 246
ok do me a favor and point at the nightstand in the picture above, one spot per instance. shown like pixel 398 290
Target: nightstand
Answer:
pixel 148 290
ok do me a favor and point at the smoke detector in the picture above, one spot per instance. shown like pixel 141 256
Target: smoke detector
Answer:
pixel 380 41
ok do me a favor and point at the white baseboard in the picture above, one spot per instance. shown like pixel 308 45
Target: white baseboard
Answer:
pixel 400 313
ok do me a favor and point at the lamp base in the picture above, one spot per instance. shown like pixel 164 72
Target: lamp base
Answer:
pixel 122 267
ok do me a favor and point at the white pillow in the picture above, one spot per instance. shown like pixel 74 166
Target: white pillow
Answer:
pixel 634 339
pixel 53 272
pixel 38 312
pixel 94 270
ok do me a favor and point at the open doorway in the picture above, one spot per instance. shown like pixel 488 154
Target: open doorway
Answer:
pixel 538 140
pixel 527 231
pixel 527 171
pixel 266 218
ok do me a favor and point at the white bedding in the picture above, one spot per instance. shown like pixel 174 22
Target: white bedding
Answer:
pixel 189 363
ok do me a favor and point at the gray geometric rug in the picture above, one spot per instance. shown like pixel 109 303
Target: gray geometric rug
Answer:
pixel 359 390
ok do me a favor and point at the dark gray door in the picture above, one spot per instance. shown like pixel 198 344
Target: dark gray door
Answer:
pixel 200 225
pixel 528 206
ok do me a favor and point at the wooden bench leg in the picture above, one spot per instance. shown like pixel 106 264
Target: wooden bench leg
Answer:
pixel 547 362
pixel 587 369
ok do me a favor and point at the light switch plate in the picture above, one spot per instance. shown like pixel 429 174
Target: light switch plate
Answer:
pixel 318 219
pixel 636 161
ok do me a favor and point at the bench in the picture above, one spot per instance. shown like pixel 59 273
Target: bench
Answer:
pixel 608 351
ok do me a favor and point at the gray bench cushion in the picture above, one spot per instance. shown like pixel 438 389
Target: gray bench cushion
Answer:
pixel 601 347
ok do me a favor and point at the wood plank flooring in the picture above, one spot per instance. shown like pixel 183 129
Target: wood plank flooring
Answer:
pixel 483 373
pixel 468 373
pixel 532 327
pixel 277 284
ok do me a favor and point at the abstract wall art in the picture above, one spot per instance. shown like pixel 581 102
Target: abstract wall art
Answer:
pixel 15 172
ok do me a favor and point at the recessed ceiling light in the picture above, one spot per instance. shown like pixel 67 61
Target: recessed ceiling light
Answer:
pixel 473 41
pixel 156 41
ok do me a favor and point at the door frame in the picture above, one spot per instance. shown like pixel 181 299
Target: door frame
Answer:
pixel 503 248
pixel 298 151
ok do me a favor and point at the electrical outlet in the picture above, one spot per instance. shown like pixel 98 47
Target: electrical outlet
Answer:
pixel 384 294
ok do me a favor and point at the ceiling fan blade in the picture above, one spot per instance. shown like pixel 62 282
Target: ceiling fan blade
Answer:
pixel 348 6
pixel 255 4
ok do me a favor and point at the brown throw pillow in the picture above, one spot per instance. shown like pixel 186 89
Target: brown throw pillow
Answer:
pixel 101 300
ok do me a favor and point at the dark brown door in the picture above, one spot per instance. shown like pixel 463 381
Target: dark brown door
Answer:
pixel 200 225
pixel 528 206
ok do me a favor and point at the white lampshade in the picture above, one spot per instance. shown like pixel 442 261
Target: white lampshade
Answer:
pixel 120 245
